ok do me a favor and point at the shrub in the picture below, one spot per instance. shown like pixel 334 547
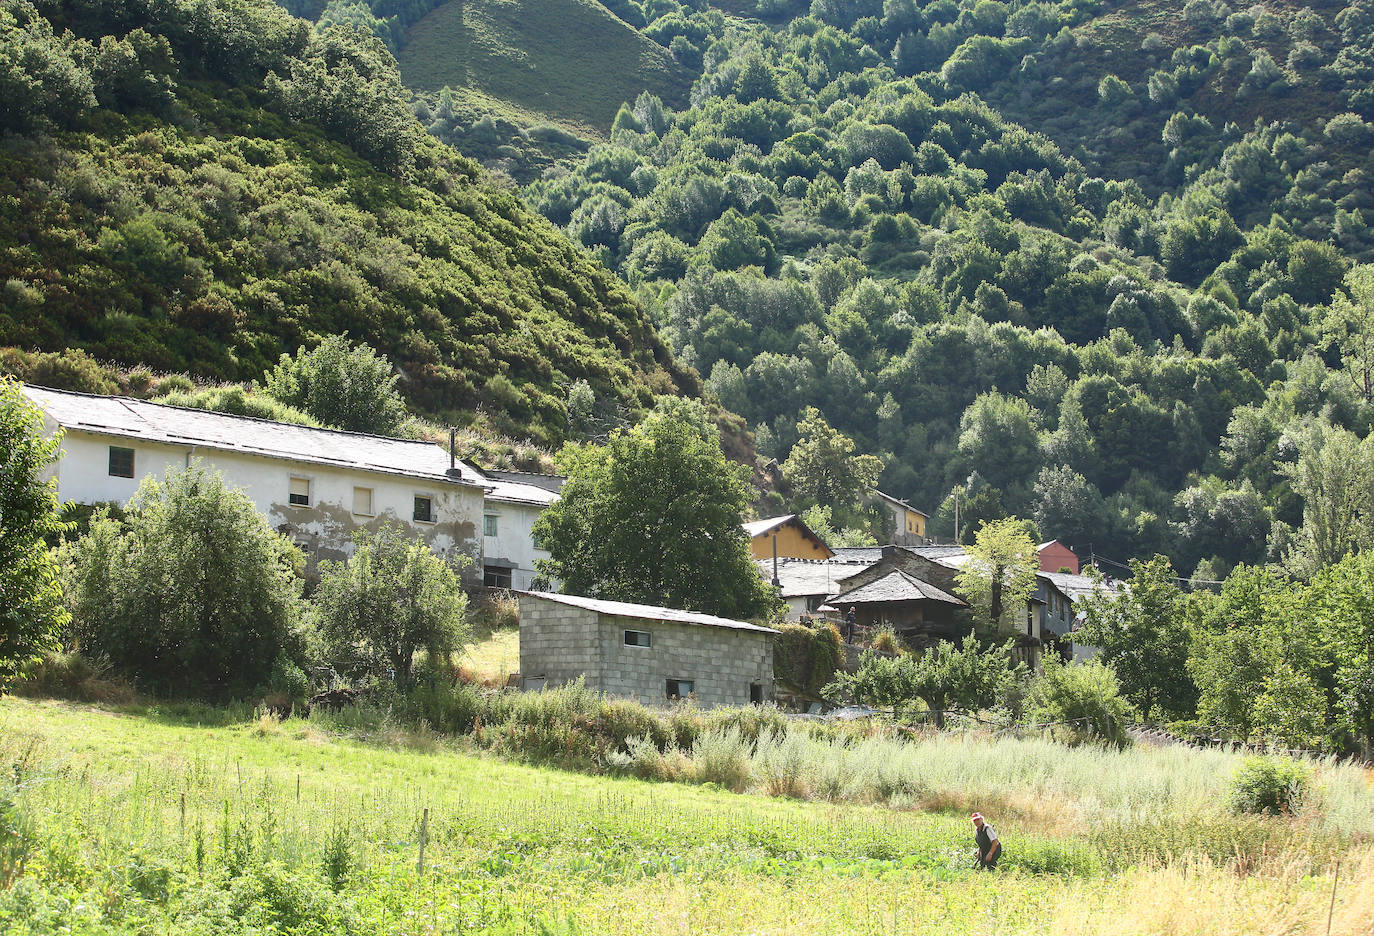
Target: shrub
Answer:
pixel 192 592
pixel 723 757
pixel 342 385
pixel 1273 785
pixel 392 597
pixel 1086 695
pixel 60 675
pixel 806 657
pixel 886 641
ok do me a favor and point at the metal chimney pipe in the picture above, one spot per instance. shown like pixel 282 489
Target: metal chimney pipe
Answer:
pixel 452 448
pixel 776 582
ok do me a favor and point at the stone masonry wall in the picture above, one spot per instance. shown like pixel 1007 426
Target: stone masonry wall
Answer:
pixel 721 663
pixel 558 643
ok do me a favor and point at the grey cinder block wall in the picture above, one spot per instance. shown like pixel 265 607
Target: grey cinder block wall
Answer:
pixel 560 642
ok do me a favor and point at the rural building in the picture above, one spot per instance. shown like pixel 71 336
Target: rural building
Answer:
pixel 513 502
pixel 806 584
pixel 792 538
pixel 1061 593
pixel 1056 557
pixel 921 614
pixel 904 524
pixel 316 486
pixel 643 652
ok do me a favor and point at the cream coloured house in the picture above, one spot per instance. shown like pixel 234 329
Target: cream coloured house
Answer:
pixel 315 485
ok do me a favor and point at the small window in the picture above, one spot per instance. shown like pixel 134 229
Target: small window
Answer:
pixel 121 462
pixel 300 492
pixel 496 577
pixel 755 693
pixel 637 639
pixel 489 525
pixel 679 688
pixel 362 501
pixel 424 509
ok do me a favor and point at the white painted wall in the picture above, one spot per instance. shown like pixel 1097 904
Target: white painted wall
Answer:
pixel 324 528
pixel 513 544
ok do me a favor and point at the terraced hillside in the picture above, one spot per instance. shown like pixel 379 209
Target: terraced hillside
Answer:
pixel 570 60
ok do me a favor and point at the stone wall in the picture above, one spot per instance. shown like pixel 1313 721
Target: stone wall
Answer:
pixel 560 642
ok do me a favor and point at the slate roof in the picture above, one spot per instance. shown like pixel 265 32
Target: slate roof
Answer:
pixel 800 578
pixel 517 492
pixel 899 502
pixel 649 612
pixel 1076 587
pixel 125 417
pixel 895 586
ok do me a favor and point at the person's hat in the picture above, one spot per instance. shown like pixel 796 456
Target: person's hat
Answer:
pixel 976 816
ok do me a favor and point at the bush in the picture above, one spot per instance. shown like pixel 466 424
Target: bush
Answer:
pixel 1087 695
pixel 192 592
pixel 1272 785
pixel 806 657
pixel 724 758
pixel 392 597
pixel 342 385
pixel 72 676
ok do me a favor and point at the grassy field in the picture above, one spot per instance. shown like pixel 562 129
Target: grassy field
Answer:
pixel 570 60
pixel 195 821
pixel 494 657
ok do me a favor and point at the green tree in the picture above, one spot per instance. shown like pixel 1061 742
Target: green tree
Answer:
pixel 1258 669
pixel 1340 601
pixel 654 516
pixel 192 592
pixel 999 576
pixel 1334 476
pixel 392 598
pixel 821 468
pixel 1087 696
pixel 1348 326
pixel 948 678
pixel 342 385
pixel 997 438
pixel 31 612
pixel 1143 634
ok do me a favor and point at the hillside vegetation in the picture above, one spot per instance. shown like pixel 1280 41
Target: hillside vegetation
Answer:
pixel 1120 318
pixel 204 821
pixel 568 60
pixel 202 187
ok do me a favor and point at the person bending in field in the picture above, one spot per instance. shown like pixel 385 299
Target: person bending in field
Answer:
pixel 989 848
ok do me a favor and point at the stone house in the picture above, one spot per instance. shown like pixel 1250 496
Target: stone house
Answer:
pixel 642 652
pixel 513 502
pixel 921 614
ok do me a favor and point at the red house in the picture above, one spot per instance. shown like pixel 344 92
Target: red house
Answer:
pixel 1056 557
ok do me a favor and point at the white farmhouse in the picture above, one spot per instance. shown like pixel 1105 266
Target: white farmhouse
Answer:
pixel 514 501
pixel 315 485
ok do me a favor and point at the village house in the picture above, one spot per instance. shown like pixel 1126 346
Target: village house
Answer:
pixel 904 524
pixel 650 654
pixel 921 614
pixel 806 584
pixel 1056 557
pixel 316 486
pixel 513 502
pixel 786 537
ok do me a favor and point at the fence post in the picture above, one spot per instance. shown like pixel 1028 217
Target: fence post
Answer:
pixel 424 834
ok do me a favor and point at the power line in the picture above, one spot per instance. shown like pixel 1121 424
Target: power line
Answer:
pixel 1094 558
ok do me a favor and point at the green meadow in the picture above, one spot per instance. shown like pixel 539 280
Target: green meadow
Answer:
pixel 197 820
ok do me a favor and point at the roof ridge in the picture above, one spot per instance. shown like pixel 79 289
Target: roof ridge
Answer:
pixel 121 398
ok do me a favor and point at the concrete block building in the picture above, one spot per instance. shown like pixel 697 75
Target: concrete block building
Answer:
pixel 642 652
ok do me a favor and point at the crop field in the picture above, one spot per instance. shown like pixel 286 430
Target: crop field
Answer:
pixel 210 821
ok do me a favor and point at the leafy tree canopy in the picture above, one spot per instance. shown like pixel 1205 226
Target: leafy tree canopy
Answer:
pixel 653 516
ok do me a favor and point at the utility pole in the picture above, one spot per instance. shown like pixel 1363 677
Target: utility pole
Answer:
pixel 777 583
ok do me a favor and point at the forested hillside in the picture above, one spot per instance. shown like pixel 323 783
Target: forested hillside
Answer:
pixel 201 186
pixel 1136 316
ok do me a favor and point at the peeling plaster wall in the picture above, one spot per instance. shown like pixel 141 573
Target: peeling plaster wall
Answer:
pixel 323 529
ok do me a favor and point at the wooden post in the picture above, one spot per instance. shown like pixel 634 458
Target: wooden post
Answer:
pixel 183 813
pixel 1332 909
pixel 298 788
pixel 424 834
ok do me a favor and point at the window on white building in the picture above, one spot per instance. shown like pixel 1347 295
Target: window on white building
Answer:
pixel 300 492
pixel 362 501
pixel 424 509
pixel 496 576
pixel 121 462
pixel 489 525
